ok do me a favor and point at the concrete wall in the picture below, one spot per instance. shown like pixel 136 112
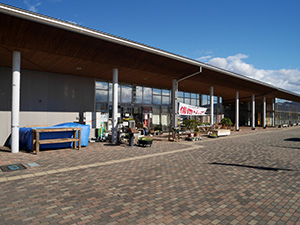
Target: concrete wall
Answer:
pixel 46 99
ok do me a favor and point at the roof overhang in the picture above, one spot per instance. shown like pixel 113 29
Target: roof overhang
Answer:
pixel 53 45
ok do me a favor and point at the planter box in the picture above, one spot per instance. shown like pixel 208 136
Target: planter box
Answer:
pixel 221 132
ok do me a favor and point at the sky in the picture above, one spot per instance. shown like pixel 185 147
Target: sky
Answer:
pixel 255 38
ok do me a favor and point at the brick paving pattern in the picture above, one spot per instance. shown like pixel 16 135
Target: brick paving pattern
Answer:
pixel 246 178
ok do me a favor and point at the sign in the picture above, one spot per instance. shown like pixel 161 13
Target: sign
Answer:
pixel 190 110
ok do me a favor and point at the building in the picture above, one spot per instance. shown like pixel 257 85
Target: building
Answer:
pixel 53 71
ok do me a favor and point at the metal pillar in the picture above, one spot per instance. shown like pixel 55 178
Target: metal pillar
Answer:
pixel 237 111
pixel 174 103
pixel 115 107
pixel 200 104
pixel 253 112
pixel 211 106
pixel 218 109
pixel 264 112
pixel 15 109
pixel 273 112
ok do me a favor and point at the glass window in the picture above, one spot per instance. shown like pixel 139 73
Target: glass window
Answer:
pixel 166 92
pixel 157 99
pixel 193 101
pixel 187 94
pixel 101 107
pixel 204 100
pixel 126 94
pixel 139 94
pixel 193 95
pixel 215 99
pixel 156 91
pixel 101 96
pixel 101 85
pixel 180 94
pixel 156 119
pixel 187 101
pixel 180 99
pixel 165 100
pixel 147 95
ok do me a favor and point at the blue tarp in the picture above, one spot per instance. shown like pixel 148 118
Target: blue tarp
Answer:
pixel 26 137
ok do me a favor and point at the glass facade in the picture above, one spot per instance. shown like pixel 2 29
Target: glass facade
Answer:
pixel 286 112
pixel 189 98
pixel 146 103
pixel 155 103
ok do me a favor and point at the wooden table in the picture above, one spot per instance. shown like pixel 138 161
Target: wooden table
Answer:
pixel 37 142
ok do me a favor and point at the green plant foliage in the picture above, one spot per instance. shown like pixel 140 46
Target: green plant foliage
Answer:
pixel 145 139
pixel 226 121
pixel 158 127
pixel 190 124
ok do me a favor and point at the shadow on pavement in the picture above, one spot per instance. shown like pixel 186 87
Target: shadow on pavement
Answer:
pixel 252 167
pixel 293 139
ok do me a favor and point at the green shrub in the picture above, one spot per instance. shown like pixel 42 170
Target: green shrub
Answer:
pixel 226 121
pixel 190 124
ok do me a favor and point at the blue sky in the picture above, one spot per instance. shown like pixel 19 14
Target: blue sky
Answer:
pixel 257 38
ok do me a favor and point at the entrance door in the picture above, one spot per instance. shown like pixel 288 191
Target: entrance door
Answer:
pixel 147 117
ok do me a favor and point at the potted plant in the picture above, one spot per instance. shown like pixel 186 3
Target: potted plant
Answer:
pixel 157 129
pixel 145 141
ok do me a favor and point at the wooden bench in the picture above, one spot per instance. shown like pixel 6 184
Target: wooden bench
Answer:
pixel 37 142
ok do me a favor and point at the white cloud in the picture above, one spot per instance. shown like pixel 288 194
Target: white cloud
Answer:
pixel 32 4
pixel 204 58
pixel 72 22
pixel 288 79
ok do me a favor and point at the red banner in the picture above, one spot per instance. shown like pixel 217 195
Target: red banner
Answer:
pixel 190 110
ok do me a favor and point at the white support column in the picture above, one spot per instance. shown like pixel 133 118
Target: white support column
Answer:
pixel 174 103
pixel 264 112
pixel 273 112
pixel 15 109
pixel 115 107
pixel 253 112
pixel 211 106
pixel 237 111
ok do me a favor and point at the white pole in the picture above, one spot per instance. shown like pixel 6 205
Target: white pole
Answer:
pixel 15 109
pixel 211 106
pixel 174 103
pixel 264 112
pixel 253 112
pixel 273 112
pixel 115 107
pixel 237 111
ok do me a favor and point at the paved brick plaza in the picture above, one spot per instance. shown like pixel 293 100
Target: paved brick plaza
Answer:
pixel 247 178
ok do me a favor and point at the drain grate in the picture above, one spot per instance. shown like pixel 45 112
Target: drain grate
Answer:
pixel 9 168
